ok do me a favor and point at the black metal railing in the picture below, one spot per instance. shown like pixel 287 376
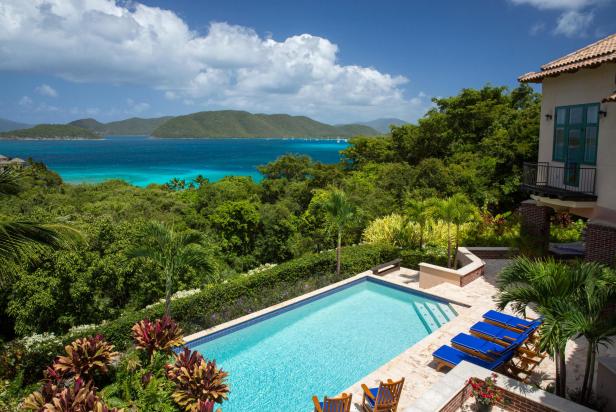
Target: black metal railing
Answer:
pixel 562 181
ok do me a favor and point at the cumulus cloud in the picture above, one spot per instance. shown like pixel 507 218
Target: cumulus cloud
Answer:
pixel 559 4
pixel 136 107
pixel 46 90
pixel 229 66
pixel 575 18
pixel 25 101
pixel 574 23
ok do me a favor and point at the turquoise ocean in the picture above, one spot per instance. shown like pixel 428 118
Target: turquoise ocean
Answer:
pixel 142 160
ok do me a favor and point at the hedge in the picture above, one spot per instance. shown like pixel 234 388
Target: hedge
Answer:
pixel 216 303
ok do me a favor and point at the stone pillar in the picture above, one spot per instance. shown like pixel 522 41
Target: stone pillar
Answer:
pixel 601 243
pixel 535 228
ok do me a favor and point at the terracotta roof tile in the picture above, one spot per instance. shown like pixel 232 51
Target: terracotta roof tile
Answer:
pixel 611 98
pixel 602 51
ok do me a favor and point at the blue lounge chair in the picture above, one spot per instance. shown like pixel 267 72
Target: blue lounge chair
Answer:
pixel 479 347
pixel 510 322
pixel 450 357
pixel 497 334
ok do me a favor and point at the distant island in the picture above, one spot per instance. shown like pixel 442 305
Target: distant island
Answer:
pixel 135 126
pixel 233 123
pixel 50 131
pixel 383 125
pixel 210 124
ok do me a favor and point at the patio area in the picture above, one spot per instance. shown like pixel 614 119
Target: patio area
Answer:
pixel 416 365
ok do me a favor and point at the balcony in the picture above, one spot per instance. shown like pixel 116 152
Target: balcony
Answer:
pixel 569 182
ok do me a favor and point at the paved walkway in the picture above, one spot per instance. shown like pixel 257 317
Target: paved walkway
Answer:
pixel 415 364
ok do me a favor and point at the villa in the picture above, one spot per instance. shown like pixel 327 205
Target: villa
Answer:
pixel 13 162
pixel 576 168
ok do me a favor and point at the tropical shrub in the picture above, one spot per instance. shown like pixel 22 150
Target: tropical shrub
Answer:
pixel 141 387
pixel 80 397
pixel 197 380
pixel 217 303
pixel 393 230
pixel 85 358
pixel 162 335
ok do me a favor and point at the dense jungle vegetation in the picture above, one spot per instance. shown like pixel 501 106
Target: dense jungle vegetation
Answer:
pixel 473 143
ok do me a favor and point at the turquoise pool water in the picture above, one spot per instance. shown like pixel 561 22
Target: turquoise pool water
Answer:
pixel 142 160
pixel 322 347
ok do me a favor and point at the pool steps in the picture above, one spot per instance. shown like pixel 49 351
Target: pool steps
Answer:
pixel 433 314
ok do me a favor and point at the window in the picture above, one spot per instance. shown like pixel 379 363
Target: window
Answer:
pixel 576 130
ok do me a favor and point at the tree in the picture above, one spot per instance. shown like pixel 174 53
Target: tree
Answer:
pixel 548 286
pixel 173 252
pixel 419 211
pixel 589 316
pixel 341 213
pixel 21 239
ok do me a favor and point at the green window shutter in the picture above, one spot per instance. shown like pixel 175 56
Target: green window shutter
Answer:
pixel 581 121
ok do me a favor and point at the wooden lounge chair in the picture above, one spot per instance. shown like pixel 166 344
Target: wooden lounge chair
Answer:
pixel 385 398
pixel 340 404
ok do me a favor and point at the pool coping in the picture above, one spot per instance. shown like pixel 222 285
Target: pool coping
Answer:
pixel 242 322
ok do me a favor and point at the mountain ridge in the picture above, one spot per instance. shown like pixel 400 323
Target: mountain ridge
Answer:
pixel 242 124
pixel 7 125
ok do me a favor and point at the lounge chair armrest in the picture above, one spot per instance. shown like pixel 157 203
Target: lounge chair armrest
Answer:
pixel 317 404
pixel 367 391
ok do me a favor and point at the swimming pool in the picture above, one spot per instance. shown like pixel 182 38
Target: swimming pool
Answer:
pixel 321 345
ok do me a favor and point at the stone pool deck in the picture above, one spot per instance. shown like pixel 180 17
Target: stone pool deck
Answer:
pixel 416 365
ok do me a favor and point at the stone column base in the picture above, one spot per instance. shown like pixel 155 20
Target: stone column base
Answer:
pixel 535 228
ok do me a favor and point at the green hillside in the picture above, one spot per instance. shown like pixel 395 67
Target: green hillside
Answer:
pixel 128 127
pixel 232 123
pixel 51 131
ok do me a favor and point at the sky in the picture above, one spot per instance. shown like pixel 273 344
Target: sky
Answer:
pixel 337 61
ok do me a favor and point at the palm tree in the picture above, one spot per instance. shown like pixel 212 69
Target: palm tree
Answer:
pixel 173 252
pixel 589 316
pixel 454 211
pixel 464 212
pixel 20 239
pixel 445 211
pixel 341 213
pixel 547 286
pixel 419 211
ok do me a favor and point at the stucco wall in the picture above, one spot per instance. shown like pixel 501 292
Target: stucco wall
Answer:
pixel 585 86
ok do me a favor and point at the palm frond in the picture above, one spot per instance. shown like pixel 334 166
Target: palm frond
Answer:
pixel 9 182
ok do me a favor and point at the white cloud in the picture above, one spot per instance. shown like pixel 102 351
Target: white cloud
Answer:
pixel 46 90
pixel 229 66
pixel 559 4
pixel 575 18
pixel 25 101
pixel 136 107
pixel 537 28
pixel 574 23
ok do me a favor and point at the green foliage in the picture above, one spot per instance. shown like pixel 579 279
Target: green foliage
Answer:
pixel 197 380
pixel 162 335
pixel 574 300
pixel 129 127
pixel 232 123
pixel 218 303
pixel 85 358
pixel 51 131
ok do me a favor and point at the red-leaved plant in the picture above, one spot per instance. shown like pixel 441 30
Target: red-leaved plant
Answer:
pixel 85 357
pixel 162 335
pixel 80 397
pixel 485 391
pixel 198 381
